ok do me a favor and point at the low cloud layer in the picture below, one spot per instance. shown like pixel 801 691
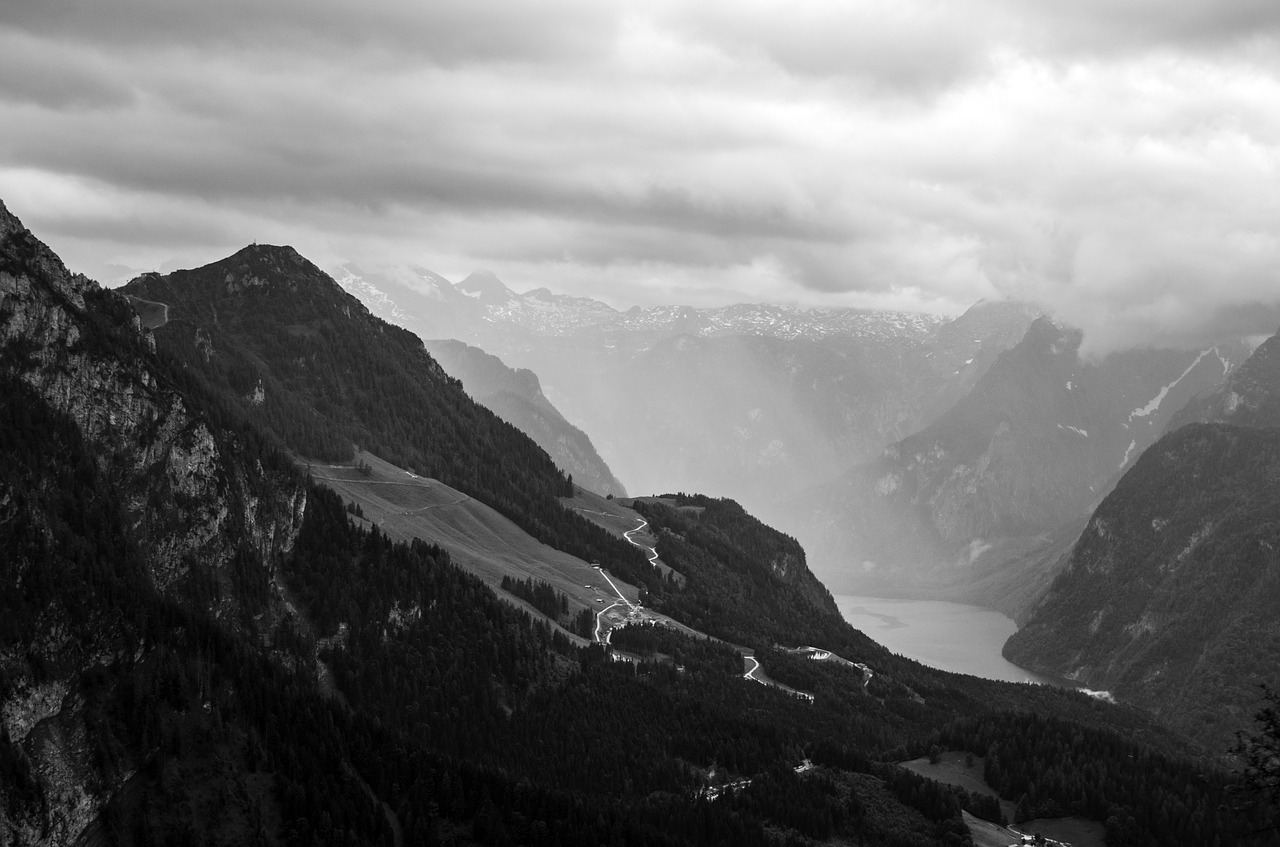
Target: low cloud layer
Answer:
pixel 1115 160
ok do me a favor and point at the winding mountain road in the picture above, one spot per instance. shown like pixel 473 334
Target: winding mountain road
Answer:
pixel 621 596
pixel 599 620
pixel 653 551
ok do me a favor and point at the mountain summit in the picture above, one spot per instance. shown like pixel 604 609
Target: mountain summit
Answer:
pixel 283 343
pixel 485 287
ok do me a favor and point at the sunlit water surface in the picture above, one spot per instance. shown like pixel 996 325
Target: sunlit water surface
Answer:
pixel 949 636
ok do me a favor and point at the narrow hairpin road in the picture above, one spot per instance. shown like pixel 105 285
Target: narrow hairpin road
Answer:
pixel 653 551
pixel 599 621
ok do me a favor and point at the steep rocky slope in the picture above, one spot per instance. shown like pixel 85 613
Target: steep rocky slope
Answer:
pixel 1249 397
pixel 516 397
pixel 1169 594
pixel 1031 448
pixel 115 480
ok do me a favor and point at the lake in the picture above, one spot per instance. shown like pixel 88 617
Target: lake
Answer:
pixel 950 636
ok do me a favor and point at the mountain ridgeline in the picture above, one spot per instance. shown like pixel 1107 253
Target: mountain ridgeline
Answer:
pixel 985 488
pixel 283 344
pixel 516 397
pixel 948 459
pixel 766 581
pixel 752 401
pixel 1168 598
pixel 200 646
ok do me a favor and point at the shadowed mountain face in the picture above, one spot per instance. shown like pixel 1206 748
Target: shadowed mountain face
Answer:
pixel 1032 448
pixel 125 501
pixel 1169 596
pixel 285 345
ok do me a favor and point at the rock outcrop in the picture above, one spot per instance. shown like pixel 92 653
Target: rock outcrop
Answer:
pixel 189 499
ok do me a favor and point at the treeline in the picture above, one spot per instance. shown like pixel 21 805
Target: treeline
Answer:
pixel 652 638
pixel 742 580
pixel 1054 768
pixel 554 604
pixel 620 731
pixel 334 376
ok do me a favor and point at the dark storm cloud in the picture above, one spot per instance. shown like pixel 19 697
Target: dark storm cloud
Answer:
pixel 432 31
pixel 31 76
pixel 1117 160
pixel 1125 25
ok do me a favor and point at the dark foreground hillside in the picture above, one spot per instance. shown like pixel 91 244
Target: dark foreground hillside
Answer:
pixel 199 647
pixel 1170 596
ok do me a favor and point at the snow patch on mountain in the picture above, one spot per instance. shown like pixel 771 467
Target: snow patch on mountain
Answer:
pixel 1226 366
pixel 352 282
pixel 1154 405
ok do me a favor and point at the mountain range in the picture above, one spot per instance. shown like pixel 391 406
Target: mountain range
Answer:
pixel 756 401
pixel 204 643
pixel 1168 596
pixel 1007 453
pixel 910 455
pixel 1032 448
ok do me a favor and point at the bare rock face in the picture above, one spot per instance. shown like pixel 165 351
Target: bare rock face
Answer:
pixel 1249 397
pixel 139 428
pixel 192 500
pixel 1168 598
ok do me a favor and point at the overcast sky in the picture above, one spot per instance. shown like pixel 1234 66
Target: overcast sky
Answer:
pixel 1115 159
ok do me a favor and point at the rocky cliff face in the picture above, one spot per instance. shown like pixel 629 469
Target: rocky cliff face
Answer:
pixel 1032 447
pixel 84 352
pixel 1168 596
pixel 1249 397
pixel 84 384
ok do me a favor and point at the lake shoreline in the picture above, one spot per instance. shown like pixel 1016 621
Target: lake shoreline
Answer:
pixel 950 636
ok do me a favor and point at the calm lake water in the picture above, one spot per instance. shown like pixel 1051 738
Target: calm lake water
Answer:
pixel 950 636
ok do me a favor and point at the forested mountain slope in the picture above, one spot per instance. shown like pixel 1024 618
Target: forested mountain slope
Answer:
pixel 280 341
pixel 1170 594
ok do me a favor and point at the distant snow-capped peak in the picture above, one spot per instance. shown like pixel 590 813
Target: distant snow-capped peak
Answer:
pixel 543 312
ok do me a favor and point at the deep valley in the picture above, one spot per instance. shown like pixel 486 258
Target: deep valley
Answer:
pixel 275 572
